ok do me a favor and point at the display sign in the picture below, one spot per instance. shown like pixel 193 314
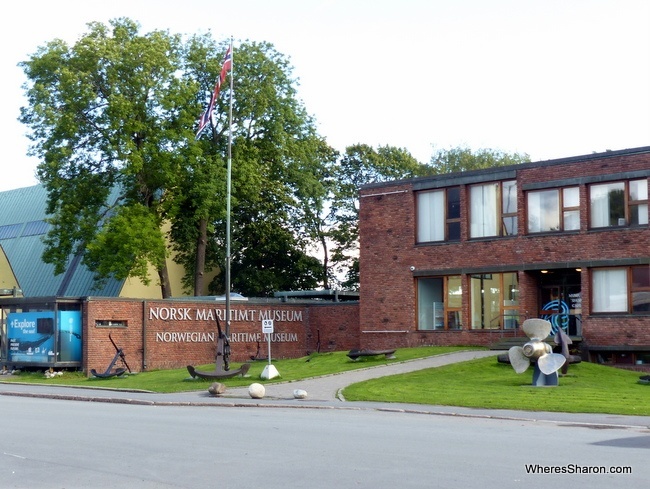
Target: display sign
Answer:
pixel 267 326
pixel 35 337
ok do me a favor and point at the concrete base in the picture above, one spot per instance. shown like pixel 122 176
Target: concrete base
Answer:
pixel 270 372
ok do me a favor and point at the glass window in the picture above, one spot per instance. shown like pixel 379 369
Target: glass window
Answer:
pixel 639 202
pixel 619 204
pixel 509 208
pixel 493 209
pixel 439 303
pixel 438 215
pixel 494 300
pixel 544 210
pixel 430 211
pixel 453 214
pixel 609 290
pixel 571 209
pixel 641 289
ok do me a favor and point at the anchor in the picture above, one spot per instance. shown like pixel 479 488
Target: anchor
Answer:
pixel 222 363
pixel 109 371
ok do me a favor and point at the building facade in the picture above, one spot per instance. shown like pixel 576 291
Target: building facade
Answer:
pixel 464 258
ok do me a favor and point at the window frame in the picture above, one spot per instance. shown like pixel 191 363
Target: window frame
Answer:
pixel 506 313
pixel 448 312
pixel 628 204
pixel 498 208
pixel 562 209
pixel 627 286
pixel 438 216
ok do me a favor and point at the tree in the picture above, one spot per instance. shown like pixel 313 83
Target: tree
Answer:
pixel 278 165
pixel 108 113
pixel 361 165
pixel 464 159
pixel 117 112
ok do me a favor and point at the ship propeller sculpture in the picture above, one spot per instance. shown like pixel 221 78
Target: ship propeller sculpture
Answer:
pixel 538 352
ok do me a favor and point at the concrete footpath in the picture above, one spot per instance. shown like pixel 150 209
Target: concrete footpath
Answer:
pixel 322 393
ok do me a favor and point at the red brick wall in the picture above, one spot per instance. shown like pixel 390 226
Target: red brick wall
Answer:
pixel 178 334
pixel 333 328
pixel 388 249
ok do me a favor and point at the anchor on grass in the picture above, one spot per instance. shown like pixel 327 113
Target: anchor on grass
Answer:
pixel 222 364
pixel 119 354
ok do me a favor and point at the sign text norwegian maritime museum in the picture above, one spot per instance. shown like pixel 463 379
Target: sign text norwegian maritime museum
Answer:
pixel 207 314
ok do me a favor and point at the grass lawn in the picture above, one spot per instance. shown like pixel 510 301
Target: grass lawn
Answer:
pixel 485 383
pixel 481 383
pixel 179 380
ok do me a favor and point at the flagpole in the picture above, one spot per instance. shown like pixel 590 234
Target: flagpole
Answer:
pixel 228 192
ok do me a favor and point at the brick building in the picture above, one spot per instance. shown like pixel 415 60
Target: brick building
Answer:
pixel 455 259
pixel 464 258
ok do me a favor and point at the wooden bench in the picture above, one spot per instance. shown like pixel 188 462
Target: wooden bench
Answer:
pixel 356 354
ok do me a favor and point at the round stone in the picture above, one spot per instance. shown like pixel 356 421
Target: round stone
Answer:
pixel 256 390
pixel 300 394
pixel 217 388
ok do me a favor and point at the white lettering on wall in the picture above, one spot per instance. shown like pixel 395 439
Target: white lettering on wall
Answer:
pixel 236 315
pixel 196 337
pixel 185 337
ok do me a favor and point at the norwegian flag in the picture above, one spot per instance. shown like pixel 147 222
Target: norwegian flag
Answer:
pixel 207 115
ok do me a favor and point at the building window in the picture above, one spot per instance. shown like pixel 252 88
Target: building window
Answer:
pixel 493 209
pixel 439 303
pixel 621 290
pixel 619 204
pixel 439 215
pixel 640 289
pixel 494 300
pixel 110 323
pixel 554 210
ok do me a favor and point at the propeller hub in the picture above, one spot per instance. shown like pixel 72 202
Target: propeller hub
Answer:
pixel 535 349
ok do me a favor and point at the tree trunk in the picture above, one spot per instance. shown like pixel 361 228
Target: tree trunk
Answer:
pixel 199 266
pixel 165 287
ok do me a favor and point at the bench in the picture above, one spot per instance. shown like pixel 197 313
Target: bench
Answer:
pixel 356 354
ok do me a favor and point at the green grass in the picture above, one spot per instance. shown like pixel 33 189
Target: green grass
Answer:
pixel 485 383
pixel 482 383
pixel 179 380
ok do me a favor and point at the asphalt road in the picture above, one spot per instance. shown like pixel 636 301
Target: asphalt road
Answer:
pixel 54 443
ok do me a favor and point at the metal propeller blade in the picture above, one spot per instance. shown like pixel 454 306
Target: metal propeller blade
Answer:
pixel 550 363
pixel 518 360
pixel 537 328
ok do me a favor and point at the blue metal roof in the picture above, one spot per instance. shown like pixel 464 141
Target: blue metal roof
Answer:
pixel 22 228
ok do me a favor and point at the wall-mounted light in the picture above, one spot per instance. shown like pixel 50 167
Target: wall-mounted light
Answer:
pixel 578 269
pixel 544 271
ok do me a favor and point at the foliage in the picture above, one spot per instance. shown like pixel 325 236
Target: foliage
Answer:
pixel 277 175
pixel 361 165
pixel 117 111
pixel 463 159
pixel 106 114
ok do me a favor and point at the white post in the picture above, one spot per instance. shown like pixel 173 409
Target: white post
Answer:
pixel 270 372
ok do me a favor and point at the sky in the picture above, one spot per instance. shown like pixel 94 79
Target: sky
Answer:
pixel 550 78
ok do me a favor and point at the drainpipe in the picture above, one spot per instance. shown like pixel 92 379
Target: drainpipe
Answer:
pixel 144 335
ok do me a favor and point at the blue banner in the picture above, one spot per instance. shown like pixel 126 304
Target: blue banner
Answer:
pixel 31 337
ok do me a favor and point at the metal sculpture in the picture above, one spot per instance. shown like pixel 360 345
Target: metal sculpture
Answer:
pixel 222 363
pixel 109 372
pixel 538 352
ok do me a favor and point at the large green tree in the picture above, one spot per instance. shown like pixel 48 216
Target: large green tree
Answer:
pixel 113 121
pixel 107 114
pixel 278 168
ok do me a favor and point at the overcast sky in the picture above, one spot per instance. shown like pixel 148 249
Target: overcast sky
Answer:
pixel 551 78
